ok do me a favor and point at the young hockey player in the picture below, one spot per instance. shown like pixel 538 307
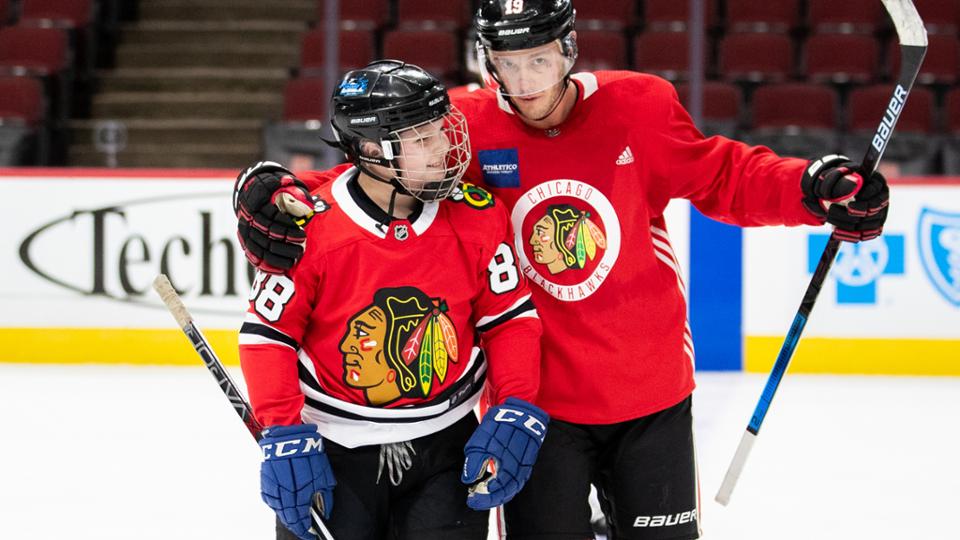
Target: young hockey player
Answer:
pixel 587 163
pixel 365 360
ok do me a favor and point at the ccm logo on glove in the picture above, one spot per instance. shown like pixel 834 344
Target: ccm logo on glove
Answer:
pixel 292 448
pixel 532 424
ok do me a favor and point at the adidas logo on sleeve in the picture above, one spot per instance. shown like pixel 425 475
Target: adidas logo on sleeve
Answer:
pixel 626 157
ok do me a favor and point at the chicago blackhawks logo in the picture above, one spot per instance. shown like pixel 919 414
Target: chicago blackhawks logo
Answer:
pixel 472 195
pixel 397 345
pixel 565 238
pixel 568 237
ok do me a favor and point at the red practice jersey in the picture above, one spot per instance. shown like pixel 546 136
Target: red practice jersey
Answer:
pixel 587 201
pixel 375 335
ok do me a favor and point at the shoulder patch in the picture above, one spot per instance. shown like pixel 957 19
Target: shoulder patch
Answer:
pixel 473 196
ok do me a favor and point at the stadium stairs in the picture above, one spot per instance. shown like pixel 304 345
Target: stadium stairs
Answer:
pixel 194 82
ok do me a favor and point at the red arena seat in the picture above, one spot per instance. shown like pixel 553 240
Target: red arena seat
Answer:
pixel 940 63
pixel 22 100
pixel 304 99
pixel 756 57
pixel 857 16
pixel 601 49
pixel 360 14
pixel 356 50
pixel 762 15
pixel 605 14
pixel 841 58
pixel 663 53
pixel 430 14
pixel 673 14
pixel 436 51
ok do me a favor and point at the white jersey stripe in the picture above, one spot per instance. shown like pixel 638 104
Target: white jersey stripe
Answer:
pixel 664 251
pixel 254 339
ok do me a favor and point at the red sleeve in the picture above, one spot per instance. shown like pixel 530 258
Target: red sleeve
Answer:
pixel 727 180
pixel 508 324
pixel 315 179
pixel 280 308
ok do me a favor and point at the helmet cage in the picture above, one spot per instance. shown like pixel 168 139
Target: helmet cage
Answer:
pixel 438 164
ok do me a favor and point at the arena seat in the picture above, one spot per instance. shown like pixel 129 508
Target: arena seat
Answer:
pixel 762 15
pixel 601 49
pixel 841 58
pixel 779 122
pixel 756 57
pixel 663 53
pixel 356 50
pixel 915 142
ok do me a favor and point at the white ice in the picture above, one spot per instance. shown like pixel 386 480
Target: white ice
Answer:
pixel 124 452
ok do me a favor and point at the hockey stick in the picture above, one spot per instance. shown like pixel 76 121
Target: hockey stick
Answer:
pixel 913 46
pixel 185 321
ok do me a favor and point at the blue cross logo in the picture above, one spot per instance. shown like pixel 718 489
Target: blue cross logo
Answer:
pixel 859 266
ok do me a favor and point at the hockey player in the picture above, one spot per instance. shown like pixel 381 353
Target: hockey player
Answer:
pixel 587 163
pixel 365 359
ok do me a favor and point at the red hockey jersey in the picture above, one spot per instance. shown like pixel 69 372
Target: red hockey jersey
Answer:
pixel 375 335
pixel 587 201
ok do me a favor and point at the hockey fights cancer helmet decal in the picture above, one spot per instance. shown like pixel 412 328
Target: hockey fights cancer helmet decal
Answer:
pixel 422 138
pixel 568 237
pixel 396 346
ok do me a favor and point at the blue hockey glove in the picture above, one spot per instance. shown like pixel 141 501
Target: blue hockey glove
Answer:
pixel 509 436
pixel 294 469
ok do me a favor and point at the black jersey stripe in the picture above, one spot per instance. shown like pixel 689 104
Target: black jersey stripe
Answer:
pixel 265 331
pixel 513 313
pixel 469 384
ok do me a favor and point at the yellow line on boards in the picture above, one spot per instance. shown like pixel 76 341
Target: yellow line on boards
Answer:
pixel 111 346
pixel 858 356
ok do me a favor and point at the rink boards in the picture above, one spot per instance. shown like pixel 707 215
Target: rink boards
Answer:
pixel 81 247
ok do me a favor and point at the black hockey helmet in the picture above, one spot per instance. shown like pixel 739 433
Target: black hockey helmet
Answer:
pixel 507 26
pixel 389 102
pixel 510 25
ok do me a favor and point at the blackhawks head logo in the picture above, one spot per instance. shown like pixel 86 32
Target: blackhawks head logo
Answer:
pixel 565 238
pixel 395 347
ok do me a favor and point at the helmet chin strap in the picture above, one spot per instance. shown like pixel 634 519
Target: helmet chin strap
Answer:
pixel 393 182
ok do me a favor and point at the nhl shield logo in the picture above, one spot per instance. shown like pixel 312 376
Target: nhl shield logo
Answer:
pixel 400 232
pixel 939 241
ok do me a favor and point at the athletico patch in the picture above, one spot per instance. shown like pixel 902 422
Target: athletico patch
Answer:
pixel 501 168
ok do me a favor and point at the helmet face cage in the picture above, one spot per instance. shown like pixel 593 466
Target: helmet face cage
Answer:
pixel 429 159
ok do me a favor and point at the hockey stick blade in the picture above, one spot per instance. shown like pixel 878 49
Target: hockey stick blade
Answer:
pixel 240 405
pixel 913 47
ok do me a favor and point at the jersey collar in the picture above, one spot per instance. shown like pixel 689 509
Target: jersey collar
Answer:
pixel 366 214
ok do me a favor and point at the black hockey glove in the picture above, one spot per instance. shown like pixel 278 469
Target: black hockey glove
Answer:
pixel 272 239
pixel 835 191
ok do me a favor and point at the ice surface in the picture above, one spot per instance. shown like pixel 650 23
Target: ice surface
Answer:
pixel 126 452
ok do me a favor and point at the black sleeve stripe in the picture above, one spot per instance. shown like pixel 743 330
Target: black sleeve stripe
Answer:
pixel 513 313
pixel 265 331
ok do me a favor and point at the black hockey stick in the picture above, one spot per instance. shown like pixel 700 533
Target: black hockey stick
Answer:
pixel 913 46
pixel 200 344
